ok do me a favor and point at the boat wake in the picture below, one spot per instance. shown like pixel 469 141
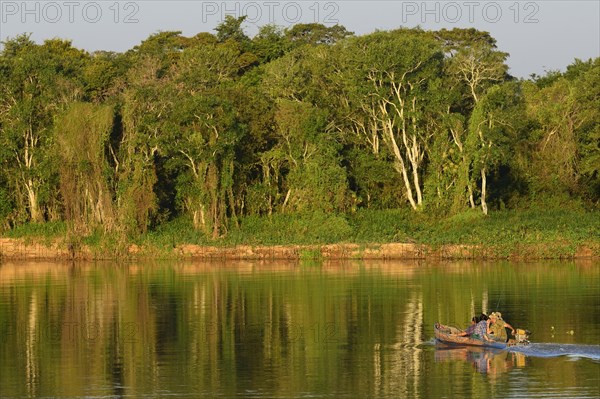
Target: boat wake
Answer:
pixel 547 350
pixel 554 350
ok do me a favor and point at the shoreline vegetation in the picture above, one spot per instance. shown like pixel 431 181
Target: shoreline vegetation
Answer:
pixel 366 235
pixel 305 142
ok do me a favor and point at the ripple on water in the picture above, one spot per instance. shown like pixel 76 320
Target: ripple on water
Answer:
pixel 554 350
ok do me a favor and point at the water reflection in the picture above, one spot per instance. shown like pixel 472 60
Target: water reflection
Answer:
pixel 279 329
pixel 484 360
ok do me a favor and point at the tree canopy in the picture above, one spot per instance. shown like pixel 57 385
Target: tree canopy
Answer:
pixel 306 119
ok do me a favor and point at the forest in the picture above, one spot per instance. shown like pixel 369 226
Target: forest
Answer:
pixel 307 128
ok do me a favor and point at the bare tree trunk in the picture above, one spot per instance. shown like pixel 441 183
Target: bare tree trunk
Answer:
pixel 400 167
pixel 34 207
pixel 415 155
pixel 471 200
pixel 232 206
pixel 456 136
pixel 202 216
pixel 411 148
pixel 472 86
pixel 267 181
pixel 483 192
pixel 285 201
pixel 213 187
pixel 196 219
pixel 399 164
pixel 414 161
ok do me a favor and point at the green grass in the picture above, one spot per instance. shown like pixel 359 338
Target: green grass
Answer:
pixel 38 230
pixel 172 233
pixel 550 232
pixel 472 227
pixel 301 229
pixel 309 256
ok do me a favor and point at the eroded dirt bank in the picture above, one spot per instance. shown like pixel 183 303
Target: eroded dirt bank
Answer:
pixel 12 248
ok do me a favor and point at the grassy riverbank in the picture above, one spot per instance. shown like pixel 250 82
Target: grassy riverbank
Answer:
pixel 551 233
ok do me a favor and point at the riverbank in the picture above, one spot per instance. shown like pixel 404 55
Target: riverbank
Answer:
pixel 366 234
pixel 22 249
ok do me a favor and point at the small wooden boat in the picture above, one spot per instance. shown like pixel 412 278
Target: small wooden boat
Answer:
pixel 450 335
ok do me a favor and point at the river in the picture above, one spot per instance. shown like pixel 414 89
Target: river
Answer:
pixel 289 330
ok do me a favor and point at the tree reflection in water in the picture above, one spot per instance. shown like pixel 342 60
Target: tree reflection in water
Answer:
pixel 484 360
pixel 283 330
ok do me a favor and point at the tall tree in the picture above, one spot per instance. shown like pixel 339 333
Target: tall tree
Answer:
pixel 315 181
pixel 474 59
pixel 38 82
pixel 473 64
pixel 308 145
pixel 493 131
pixel 565 133
pixel 400 72
pixel 203 132
pixel 143 113
pixel 81 137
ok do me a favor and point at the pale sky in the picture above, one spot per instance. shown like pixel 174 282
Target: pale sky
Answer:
pixel 539 35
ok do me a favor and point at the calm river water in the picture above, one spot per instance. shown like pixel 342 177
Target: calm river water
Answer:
pixel 282 330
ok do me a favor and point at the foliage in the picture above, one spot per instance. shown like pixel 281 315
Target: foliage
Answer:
pixel 552 226
pixel 314 33
pixel 301 135
pixel 81 136
pixel 38 230
pixel 299 228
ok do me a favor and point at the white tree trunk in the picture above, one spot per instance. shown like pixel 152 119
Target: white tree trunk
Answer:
pixel 399 164
pixel 484 207
pixel 414 157
pixel 471 199
pixel 34 207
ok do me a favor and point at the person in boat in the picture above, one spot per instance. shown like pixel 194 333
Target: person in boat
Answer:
pixel 471 329
pixel 480 330
pixel 496 327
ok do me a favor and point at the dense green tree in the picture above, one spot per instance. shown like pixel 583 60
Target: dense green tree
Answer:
pixel 231 29
pixel 397 104
pixel 38 81
pixel 81 137
pixel 206 133
pixel 564 137
pixel 473 64
pixel 270 43
pixel 315 33
pixel 165 47
pixel 305 119
pixel 104 75
pixel 203 131
pixel 493 130
pixel 307 157
pixel 587 95
pixel 143 111
pixel 316 181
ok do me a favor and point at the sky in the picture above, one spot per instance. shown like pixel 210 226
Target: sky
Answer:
pixel 539 35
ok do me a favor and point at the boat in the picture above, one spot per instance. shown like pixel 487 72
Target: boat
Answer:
pixel 449 335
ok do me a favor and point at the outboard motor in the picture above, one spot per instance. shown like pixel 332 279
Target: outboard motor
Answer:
pixel 522 336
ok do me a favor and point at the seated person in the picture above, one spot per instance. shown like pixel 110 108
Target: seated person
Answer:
pixel 480 331
pixel 471 329
pixel 496 327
